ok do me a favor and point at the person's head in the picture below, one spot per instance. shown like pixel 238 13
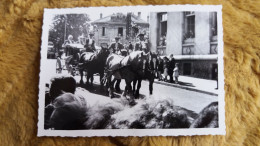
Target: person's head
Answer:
pixel 80 28
pixel 165 58
pixel 171 56
pixel 111 50
pixel 91 34
pixel 70 37
pixel 141 36
pixel 117 39
pixel 176 64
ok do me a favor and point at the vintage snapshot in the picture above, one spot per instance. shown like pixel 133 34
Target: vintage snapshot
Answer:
pixel 132 71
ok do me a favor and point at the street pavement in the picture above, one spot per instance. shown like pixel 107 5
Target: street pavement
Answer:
pixel 189 99
pixel 194 84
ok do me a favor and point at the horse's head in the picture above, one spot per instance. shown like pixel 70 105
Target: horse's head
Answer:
pixel 138 60
pixel 153 56
pixel 104 51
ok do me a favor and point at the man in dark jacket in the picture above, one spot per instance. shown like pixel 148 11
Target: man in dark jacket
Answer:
pixel 130 47
pixel 90 43
pixel 116 46
pixel 171 67
pixel 142 45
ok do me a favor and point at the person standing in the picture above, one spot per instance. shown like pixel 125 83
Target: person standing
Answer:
pixel 130 47
pixel 171 67
pixel 90 43
pixel 141 45
pixel 160 68
pixel 165 68
pixel 176 73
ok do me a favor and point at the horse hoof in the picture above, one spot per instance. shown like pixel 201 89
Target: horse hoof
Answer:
pixel 111 95
pixel 132 103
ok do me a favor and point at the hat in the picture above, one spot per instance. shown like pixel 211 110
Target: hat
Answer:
pixel 117 38
pixel 91 33
pixel 140 34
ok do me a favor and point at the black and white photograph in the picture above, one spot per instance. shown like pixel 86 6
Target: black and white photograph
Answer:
pixel 132 71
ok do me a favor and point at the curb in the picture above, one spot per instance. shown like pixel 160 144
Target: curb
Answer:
pixel 186 88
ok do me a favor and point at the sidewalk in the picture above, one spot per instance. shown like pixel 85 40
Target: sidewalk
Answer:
pixel 194 84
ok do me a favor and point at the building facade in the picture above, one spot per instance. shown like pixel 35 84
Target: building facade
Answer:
pixel 118 24
pixel 191 37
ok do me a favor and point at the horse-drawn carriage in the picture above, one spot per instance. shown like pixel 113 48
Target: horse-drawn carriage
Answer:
pixel 69 59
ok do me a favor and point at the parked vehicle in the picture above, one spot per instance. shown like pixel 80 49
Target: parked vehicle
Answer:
pixel 51 51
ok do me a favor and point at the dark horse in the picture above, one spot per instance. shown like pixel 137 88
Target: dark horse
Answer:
pixel 149 74
pixel 128 68
pixel 93 63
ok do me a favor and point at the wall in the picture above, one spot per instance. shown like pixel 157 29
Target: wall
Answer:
pixel 174 33
pixel 153 31
pixel 202 39
pixel 111 33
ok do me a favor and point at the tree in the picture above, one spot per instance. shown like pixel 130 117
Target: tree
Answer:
pixel 68 24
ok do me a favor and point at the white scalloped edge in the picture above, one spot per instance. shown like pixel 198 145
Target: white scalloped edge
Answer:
pixel 131 132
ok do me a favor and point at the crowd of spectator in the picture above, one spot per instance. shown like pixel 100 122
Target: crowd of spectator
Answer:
pixel 167 69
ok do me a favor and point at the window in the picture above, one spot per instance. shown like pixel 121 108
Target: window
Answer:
pixel 120 31
pixel 103 31
pixel 163 24
pixel 214 28
pixel 189 23
pixel 162 28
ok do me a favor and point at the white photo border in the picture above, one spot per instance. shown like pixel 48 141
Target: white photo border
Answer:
pixel 221 130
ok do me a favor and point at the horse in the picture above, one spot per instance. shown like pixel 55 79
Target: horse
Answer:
pixel 149 74
pixel 128 68
pixel 93 62
pixel 71 60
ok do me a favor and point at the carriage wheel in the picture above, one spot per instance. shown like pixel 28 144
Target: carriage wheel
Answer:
pixel 58 66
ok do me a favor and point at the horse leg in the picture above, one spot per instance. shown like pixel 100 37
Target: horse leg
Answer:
pixel 113 82
pixel 151 87
pixel 101 78
pixel 134 84
pixel 110 87
pixel 125 92
pixel 138 88
pixel 88 76
pixel 91 79
pixel 81 76
pixel 129 88
pixel 117 87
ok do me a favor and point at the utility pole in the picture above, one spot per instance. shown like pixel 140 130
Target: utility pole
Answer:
pixel 65 27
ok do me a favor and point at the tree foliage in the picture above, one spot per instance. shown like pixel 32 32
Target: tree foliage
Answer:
pixel 68 24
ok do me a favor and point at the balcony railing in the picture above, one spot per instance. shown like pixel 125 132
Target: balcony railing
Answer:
pixel 188 46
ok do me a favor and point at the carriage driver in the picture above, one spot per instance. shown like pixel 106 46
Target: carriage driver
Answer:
pixel 116 47
pixel 90 43
pixel 66 45
pixel 141 45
